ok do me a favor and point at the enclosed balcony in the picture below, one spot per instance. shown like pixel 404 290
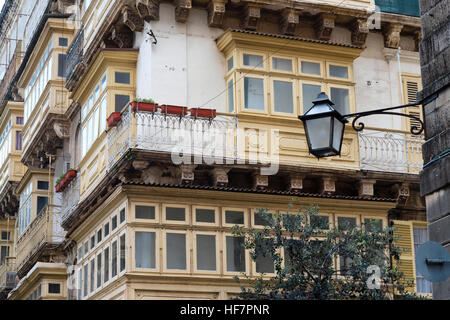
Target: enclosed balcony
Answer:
pixel 390 151
pixel 8 277
pixel 40 240
pixel 403 7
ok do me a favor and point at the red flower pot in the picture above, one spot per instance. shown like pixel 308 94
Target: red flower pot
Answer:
pixel 71 174
pixel 174 110
pixel 114 119
pixel 144 106
pixel 58 187
pixel 203 113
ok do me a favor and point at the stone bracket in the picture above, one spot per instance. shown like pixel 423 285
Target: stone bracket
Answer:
pixel 252 15
pixel 122 37
pixel 403 192
pixel 324 26
pixel 187 173
pixel 289 21
pixel 296 182
pixel 182 10
pixel 148 9
pixel 360 31
pixel 132 20
pixel 220 176
pixel 216 12
pixel 366 188
pixel 260 182
pixel 328 185
pixel 392 35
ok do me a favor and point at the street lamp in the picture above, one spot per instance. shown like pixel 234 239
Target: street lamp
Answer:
pixel 324 125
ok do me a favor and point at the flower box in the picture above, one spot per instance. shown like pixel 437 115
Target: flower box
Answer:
pixel 114 119
pixel 66 180
pixel 169 109
pixel 144 106
pixel 203 113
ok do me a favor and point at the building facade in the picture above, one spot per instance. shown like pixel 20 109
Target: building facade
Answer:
pixel 150 128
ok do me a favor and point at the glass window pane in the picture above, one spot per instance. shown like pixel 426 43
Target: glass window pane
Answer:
pixel 176 251
pixel 99 270
pixel 309 94
pixel 92 276
pixel 260 220
pixel 114 223
pixel 373 225
pixel 175 214
pixel 234 217
pixel 230 63
pixel 253 61
pixel 99 236
pixel 265 264
pixel 122 77
pixel 106 265
pixel 145 212
pixel 63 42
pixel 346 223
pixel 282 64
pixel 85 278
pixel 206 252
pixel 122 252
pixel 311 68
pixel 283 96
pixel 114 259
pixel 41 203
pixel 320 222
pixel 42 185
pixel 61 65
pixel 92 242
pixel 230 96
pixel 338 72
pixel 341 100
pixel 235 254
pixel 205 215
pixel 106 229
pixel 122 215
pixel 121 101
pixel 145 246
pixel 254 93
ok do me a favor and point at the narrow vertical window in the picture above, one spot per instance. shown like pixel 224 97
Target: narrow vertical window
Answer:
pixel 80 283
pixel 114 259
pixel 230 96
pixel 113 223
pixel 85 278
pixel 235 254
pixel 176 251
pixel 106 265
pixel 99 270
pixel 206 252
pixel 283 96
pixel 254 93
pixel 122 215
pixel 122 253
pixel 145 250
pixel 92 276
pixel 61 65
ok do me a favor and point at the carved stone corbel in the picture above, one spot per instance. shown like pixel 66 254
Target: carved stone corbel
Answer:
pixel 289 21
pixel 324 26
pixel 148 9
pixel 132 20
pixel 366 188
pixel 187 173
pixel 220 176
pixel 252 14
pixel 296 182
pixel 260 182
pixel 417 39
pixel 182 9
pixel 402 191
pixel 62 129
pixel 122 37
pixel 392 35
pixel 328 185
pixel 360 30
pixel 216 12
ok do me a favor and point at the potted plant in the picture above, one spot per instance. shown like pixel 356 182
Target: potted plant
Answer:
pixel 203 113
pixel 60 183
pixel 70 175
pixel 170 109
pixel 114 119
pixel 144 105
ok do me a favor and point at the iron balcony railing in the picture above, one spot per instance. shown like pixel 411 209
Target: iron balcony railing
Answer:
pixel 390 152
pixel 404 7
pixel 70 198
pixel 198 139
pixel 74 54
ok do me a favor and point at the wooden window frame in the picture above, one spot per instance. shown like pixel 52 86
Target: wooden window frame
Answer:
pixel 295 106
pixel 229 225
pixel 188 249
pixel 158 247
pixel 206 224
pixel 241 86
pixel 157 207
pixel 194 241
pixel 349 67
pixel 174 222
pixel 309 75
pixel 293 60
pixel 247 258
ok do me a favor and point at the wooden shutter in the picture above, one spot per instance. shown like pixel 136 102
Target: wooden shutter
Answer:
pixel 412 85
pixel 404 238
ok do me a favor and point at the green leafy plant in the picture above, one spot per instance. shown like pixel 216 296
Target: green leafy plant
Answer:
pixel 145 100
pixel 304 250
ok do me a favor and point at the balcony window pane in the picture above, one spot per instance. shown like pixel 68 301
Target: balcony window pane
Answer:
pixel 205 215
pixel 230 63
pixel 234 217
pixel 254 93
pixel 346 223
pixel 175 214
pixel 282 64
pixel 121 101
pixel 206 252
pixel 106 265
pixel 85 278
pixel 251 60
pixel 339 72
pixel 230 96
pixel 145 246
pixel 92 242
pixel 235 254
pixel 114 223
pixel 122 215
pixel 311 68
pixel 104 82
pixel 260 220
pixel 145 212
pixel 99 236
pixel 176 251
pixel 18 140
pixel 61 64
pixel 122 253
pixel 114 259
pixel 42 185
pixel 92 276
pixel 63 42
pixel 103 115
pixel 122 77
pixel 309 93
pixel 106 229
pixel 86 248
pixel 341 100
pixel 4 254
pixel 41 203
pixel 283 97
pixel 80 283
pixel 320 222
pixel 99 270
pixel 96 93
pixel 373 225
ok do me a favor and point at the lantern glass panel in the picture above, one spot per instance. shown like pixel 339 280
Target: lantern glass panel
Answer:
pixel 337 134
pixel 319 132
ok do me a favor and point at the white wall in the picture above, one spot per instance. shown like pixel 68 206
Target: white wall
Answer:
pixel 185 67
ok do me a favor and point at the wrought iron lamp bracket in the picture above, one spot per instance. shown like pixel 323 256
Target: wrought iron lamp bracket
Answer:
pixel 360 126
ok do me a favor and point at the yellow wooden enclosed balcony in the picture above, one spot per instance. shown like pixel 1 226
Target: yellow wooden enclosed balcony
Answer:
pixel 43 234
pixel 8 274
